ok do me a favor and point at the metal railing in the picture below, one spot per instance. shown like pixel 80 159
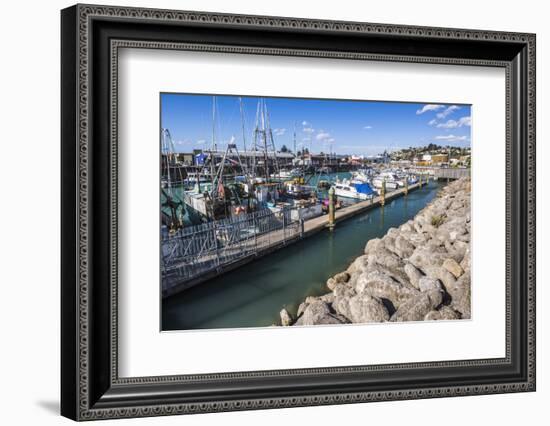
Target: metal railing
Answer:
pixel 451 173
pixel 196 250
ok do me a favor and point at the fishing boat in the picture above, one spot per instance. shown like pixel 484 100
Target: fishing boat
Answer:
pixel 354 189
pixel 172 177
pixel 296 190
pixel 197 202
pixel 221 184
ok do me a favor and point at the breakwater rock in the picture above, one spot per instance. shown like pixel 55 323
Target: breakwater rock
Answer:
pixel 419 271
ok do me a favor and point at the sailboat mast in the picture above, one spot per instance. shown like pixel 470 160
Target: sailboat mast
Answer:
pixel 213 147
pixel 294 138
pixel 255 145
pixel 264 134
pixel 166 147
pixel 242 123
pixel 271 142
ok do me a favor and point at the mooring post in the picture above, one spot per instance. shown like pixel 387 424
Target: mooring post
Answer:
pixel 420 181
pixel 255 232
pixel 284 226
pixel 383 193
pixel 331 207
pixel 406 185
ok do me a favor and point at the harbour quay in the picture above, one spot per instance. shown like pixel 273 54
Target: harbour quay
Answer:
pixel 198 253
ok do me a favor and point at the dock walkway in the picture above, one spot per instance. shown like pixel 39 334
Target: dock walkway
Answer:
pixel 260 245
pixel 316 224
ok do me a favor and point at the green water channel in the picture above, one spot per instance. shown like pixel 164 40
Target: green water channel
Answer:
pixel 253 295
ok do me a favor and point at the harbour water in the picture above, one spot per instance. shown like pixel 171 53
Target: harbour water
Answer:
pixel 253 295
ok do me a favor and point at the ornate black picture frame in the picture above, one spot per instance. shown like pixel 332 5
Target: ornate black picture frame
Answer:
pixel 91 36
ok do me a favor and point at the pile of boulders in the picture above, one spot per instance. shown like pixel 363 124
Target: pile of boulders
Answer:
pixel 419 271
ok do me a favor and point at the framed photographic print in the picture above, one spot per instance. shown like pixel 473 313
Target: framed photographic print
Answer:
pixel 263 212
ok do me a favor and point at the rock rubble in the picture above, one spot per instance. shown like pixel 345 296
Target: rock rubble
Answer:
pixel 419 271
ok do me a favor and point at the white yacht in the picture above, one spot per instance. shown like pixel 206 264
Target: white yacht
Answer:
pixel 363 175
pixel 392 182
pixel 353 189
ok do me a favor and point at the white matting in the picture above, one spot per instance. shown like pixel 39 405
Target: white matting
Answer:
pixel 145 351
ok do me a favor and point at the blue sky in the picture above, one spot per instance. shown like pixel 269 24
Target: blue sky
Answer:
pixel 344 127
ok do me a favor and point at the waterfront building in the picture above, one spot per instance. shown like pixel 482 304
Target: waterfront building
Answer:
pixel 440 158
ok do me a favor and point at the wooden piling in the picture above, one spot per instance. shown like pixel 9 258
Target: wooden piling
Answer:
pixel 331 208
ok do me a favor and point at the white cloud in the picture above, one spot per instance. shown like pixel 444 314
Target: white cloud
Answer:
pixel 201 142
pixel 450 124
pixel 447 111
pixel 453 124
pixel 451 138
pixel 308 130
pixel 432 122
pixel 465 121
pixel 279 132
pixel 428 107
pixel 367 127
pixel 306 124
pixel 322 136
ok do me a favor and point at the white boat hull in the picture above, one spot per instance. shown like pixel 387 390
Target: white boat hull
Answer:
pixel 389 184
pixel 350 194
